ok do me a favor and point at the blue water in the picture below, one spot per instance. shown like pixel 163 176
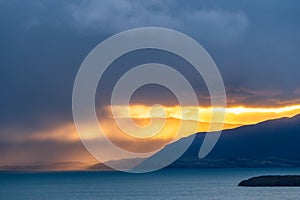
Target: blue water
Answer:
pixel 166 184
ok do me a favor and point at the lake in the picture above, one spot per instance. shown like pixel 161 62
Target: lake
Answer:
pixel 164 184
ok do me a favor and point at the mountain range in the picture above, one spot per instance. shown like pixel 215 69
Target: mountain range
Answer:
pixel 273 143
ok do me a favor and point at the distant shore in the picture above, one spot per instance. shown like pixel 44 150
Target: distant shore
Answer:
pixel 272 181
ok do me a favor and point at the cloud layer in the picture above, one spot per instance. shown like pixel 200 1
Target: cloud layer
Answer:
pixel 255 44
pixel 220 26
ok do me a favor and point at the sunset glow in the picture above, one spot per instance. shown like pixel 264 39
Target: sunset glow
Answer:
pixel 177 123
pixel 234 116
pixel 172 117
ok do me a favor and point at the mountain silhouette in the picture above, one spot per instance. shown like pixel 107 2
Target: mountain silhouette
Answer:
pixel 274 143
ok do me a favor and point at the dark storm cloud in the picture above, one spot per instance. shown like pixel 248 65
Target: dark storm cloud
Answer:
pixel 39 60
pixel 219 26
pixel 255 44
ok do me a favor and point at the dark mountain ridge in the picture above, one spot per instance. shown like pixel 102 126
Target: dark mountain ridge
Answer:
pixel 273 143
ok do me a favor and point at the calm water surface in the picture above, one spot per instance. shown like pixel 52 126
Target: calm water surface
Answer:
pixel 165 184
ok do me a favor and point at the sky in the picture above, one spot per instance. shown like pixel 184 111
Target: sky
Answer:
pixel 255 44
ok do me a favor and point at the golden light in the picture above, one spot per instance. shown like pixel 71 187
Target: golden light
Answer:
pixel 174 115
pixel 234 116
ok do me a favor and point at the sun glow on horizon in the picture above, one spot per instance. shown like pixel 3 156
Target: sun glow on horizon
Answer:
pixel 241 115
pixel 142 115
pixel 174 116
